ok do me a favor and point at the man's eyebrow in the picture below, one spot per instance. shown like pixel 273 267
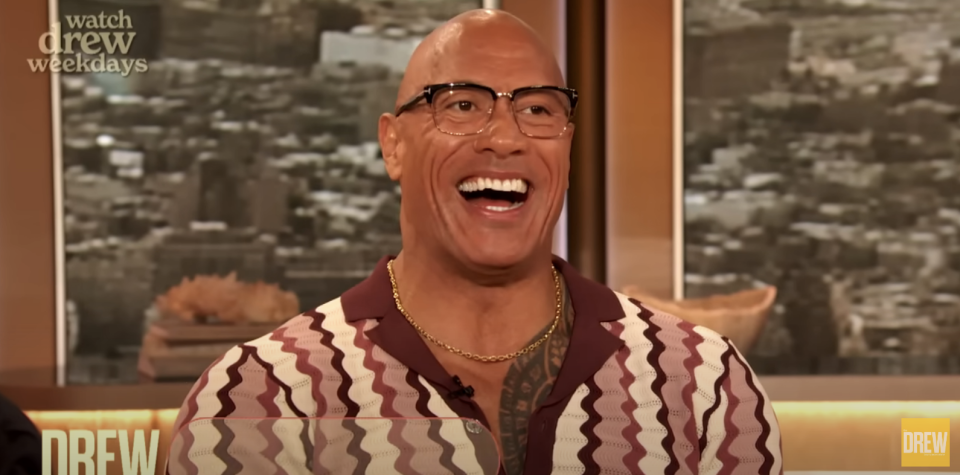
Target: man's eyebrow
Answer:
pixel 479 83
pixel 459 81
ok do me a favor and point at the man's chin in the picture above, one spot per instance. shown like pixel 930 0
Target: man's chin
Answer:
pixel 494 247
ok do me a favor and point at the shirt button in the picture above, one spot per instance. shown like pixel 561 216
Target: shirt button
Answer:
pixel 473 427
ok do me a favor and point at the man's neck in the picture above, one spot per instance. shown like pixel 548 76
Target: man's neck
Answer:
pixel 485 319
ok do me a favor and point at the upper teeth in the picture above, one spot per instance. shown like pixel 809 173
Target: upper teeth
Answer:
pixel 477 184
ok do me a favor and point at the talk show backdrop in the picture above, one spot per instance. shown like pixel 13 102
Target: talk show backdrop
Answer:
pixel 820 156
pixel 247 145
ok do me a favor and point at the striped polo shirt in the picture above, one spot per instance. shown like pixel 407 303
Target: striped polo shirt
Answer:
pixel 350 387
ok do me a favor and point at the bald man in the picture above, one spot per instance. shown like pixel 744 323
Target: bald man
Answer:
pixel 475 350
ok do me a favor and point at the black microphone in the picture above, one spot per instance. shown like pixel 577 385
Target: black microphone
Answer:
pixel 463 391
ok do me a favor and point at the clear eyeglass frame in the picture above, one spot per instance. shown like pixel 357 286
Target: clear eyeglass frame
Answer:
pixel 431 93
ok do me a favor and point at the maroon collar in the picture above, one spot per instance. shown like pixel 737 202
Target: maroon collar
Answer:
pixel 373 298
pixel 590 344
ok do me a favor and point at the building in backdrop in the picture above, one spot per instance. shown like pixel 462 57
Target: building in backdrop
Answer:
pixel 248 147
pixel 820 156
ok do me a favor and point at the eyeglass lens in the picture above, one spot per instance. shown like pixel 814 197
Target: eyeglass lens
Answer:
pixel 464 110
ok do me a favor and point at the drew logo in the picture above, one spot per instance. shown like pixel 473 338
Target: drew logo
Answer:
pixel 925 442
pixel 87 51
pixel 93 453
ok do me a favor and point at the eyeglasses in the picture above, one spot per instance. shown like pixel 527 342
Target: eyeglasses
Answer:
pixel 466 109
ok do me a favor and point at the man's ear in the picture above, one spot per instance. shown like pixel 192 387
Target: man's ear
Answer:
pixel 390 145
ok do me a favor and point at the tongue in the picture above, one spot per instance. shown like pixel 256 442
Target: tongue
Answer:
pixel 484 202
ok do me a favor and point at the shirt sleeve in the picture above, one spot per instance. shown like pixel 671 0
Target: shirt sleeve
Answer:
pixel 741 435
pixel 240 418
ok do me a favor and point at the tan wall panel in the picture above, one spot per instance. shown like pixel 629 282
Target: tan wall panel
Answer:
pixel 544 16
pixel 27 295
pixel 640 145
pixel 861 436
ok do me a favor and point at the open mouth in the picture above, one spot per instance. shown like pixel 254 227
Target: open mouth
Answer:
pixel 494 194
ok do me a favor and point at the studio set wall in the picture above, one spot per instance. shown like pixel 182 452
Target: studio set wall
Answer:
pixel 778 173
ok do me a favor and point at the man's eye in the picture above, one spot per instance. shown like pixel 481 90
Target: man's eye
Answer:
pixel 536 110
pixel 463 106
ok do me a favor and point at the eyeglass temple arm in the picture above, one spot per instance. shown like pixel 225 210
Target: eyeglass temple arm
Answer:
pixel 411 103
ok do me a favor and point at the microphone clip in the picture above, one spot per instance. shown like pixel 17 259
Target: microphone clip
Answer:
pixel 463 391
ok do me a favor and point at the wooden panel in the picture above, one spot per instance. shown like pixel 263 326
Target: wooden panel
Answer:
pixel 586 203
pixel 544 16
pixel 854 435
pixel 27 295
pixel 640 145
pixel 79 398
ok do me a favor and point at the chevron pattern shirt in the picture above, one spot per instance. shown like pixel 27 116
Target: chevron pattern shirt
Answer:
pixel 351 388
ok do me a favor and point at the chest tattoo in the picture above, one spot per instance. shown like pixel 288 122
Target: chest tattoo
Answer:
pixel 526 386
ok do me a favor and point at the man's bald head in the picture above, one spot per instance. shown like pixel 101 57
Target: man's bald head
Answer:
pixel 474 33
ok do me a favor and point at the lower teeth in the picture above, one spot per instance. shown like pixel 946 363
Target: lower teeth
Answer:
pixel 505 208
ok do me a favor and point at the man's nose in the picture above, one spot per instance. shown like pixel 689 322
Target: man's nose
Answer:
pixel 502 135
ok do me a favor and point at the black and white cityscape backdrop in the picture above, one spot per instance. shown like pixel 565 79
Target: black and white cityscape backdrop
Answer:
pixel 821 155
pixel 249 145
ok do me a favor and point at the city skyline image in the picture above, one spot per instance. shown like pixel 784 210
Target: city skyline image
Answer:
pixel 820 157
pixel 245 154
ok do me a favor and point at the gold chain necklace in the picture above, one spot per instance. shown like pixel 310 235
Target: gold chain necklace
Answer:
pixel 467 354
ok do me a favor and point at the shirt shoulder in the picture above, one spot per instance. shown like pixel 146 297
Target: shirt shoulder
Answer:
pixel 671 334
pixel 694 368
pixel 276 375
pixel 688 362
pixel 313 330
pixel 700 405
pixel 288 348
